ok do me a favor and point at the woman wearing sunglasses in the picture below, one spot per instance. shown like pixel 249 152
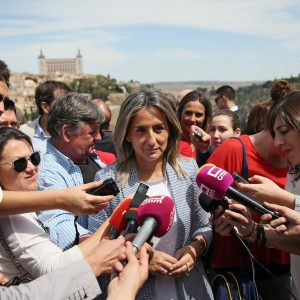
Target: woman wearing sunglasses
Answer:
pixel 26 249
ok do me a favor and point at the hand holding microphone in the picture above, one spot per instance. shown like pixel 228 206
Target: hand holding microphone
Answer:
pixel 216 208
pixel 238 216
pixel 289 222
pixel 263 189
pixel 155 216
pixel 130 277
pixel 216 183
pixel 226 215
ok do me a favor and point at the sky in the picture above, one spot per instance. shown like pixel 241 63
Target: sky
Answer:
pixel 157 40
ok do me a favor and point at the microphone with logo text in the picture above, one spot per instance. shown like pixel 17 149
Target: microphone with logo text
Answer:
pixel 155 216
pixel 216 183
pixel 117 219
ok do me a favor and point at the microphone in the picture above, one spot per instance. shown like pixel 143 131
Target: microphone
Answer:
pixel 155 216
pixel 209 205
pixel 216 183
pixel 117 219
pixel 130 216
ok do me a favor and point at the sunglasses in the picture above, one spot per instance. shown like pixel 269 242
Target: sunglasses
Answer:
pixel 21 163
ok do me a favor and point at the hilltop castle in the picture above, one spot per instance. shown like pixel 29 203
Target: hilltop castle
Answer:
pixel 52 66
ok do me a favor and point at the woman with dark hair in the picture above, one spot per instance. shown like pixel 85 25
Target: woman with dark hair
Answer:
pixel 280 90
pixel 26 249
pixel 194 113
pixel 284 125
pixel 146 138
pixel 251 155
pixel 285 128
pixel 224 125
pixel 257 117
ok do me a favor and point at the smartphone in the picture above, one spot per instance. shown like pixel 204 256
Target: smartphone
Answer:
pixel 197 134
pixel 239 178
pixel 108 187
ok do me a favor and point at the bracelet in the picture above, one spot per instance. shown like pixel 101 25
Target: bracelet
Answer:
pixel 260 235
pixel 247 235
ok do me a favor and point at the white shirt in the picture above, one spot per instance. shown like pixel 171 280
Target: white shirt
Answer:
pixel 294 187
pixel 234 108
pixel 165 287
pixel 38 137
pixel 32 247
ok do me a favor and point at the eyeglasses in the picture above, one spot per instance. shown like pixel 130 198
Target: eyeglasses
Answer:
pixel 21 163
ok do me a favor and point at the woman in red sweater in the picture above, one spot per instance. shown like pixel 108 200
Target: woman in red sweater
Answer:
pixel 194 110
pixel 266 160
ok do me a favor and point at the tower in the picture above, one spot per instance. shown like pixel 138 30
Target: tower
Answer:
pixel 42 63
pixel 78 62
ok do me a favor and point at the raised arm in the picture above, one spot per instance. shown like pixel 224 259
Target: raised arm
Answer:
pixel 73 199
pixel 263 189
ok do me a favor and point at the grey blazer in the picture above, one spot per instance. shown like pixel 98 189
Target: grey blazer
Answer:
pixel 192 221
pixel 75 281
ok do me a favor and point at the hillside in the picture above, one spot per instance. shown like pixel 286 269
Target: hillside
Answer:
pixel 248 93
pixel 175 87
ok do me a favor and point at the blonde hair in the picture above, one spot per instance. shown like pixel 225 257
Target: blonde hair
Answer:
pixel 145 98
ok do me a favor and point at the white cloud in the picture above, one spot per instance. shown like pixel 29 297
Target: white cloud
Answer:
pixel 256 17
pixel 96 26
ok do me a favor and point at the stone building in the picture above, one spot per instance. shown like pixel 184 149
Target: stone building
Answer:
pixel 53 66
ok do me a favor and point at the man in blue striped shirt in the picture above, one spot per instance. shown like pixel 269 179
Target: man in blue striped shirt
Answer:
pixel 73 124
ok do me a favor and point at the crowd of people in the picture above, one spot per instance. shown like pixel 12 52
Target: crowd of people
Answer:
pixel 54 232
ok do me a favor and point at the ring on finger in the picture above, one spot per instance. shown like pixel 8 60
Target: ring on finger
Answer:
pixel 187 270
pixel 187 267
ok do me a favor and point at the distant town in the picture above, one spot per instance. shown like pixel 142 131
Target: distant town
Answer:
pixel 68 70
pixel 71 71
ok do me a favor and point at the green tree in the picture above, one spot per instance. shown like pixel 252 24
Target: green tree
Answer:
pixel 98 86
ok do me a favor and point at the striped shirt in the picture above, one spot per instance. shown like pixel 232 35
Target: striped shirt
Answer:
pixel 57 171
pixel 36 133
pixel 192 221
